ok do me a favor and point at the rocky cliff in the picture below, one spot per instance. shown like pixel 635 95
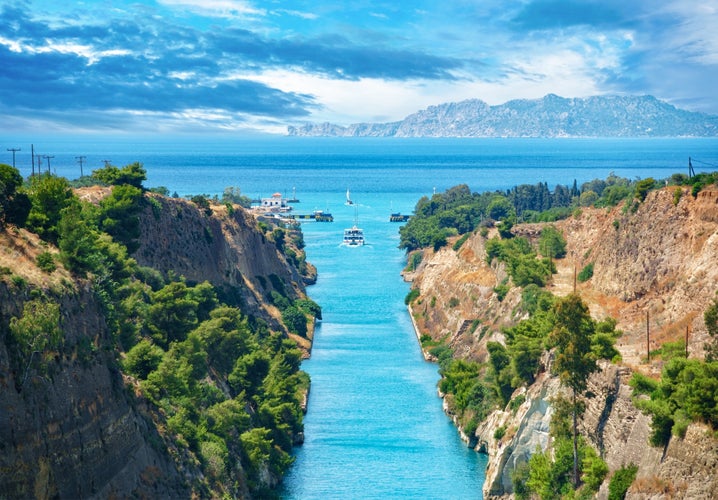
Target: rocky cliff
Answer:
pixel 657 262
pixel 74 429
pixel 224 247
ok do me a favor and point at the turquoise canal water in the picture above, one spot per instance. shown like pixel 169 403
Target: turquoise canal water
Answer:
pixel 375 427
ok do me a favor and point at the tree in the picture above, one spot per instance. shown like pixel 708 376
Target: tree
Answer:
pixel 552 243
pixel 36 332
pixel 49 195
pixel 710 317
pixel 77 240
pixel 575 361
pixel 14 205
pixel 132 175
pixel 118 216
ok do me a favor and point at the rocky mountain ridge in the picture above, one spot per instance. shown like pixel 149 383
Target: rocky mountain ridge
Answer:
pixel 551 116
pixel 79 430
pixel 659 259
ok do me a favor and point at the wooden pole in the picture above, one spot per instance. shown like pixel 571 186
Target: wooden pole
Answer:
pixel 574 278
pixel 648 337
pixel 686 341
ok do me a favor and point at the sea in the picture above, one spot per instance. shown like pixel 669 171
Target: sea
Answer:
pixel 375 428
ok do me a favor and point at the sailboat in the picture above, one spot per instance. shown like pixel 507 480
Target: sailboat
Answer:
pixel 354 236
pixel 349 200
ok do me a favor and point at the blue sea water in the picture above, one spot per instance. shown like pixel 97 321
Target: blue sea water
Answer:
pixel 375 427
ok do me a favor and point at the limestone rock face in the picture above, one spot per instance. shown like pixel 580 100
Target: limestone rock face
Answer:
pixel 225 248
pixel 657 260
pixel 77 430
pixel 74 433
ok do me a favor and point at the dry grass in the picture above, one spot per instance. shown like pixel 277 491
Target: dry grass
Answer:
pixel 18 253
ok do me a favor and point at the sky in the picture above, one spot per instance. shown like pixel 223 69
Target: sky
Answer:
pixel 209 66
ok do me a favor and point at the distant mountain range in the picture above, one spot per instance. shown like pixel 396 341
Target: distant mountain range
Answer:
pixel 551 116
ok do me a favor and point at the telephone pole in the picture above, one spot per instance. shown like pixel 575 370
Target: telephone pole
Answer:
pixel 48 163
pixel 107 162
pixel 80 160
pixel 14 150
pixel 648 336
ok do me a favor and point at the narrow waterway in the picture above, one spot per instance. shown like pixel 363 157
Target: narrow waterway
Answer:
pixel 375 427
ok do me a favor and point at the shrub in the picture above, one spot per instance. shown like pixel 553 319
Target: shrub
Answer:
pixel 586 273
pixel 501 291
pixel 460 241
pixel 295 320
pixel 46 262
pixel 621 481
pixel 677 194
pixel 411 296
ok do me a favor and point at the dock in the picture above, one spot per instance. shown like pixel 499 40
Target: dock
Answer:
pixel 397 217
pixel 317 216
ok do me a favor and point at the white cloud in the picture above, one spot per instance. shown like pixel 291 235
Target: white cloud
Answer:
pixel 217 8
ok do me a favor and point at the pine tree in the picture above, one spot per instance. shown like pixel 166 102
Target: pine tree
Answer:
pixel 574 360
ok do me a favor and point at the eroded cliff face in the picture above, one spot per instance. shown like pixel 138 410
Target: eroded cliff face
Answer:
pixel 658 261
pixel 71 432
pixel 221 246
pixel 75 429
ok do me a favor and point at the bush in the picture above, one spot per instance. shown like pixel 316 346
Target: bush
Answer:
pixel 621 481
pixel 295 320
pixel 46 262
pixel 501 291
pixel 460 241
pixel 411 296
pixel 586 273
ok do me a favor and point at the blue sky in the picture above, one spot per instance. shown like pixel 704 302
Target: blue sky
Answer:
pixel 238 65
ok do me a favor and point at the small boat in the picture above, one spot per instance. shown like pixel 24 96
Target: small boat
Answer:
pixel 349 200
pixel 353 236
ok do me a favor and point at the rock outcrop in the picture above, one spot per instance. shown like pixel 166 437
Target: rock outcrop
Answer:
pixel 656 261
pixel 76 429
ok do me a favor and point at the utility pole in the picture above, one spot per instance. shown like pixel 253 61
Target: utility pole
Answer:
pixel 686 341
pixel 14 150
pixel 648 337
pixel 107 162
pixel 39 164
pixel 32 152
pixel 48 163
pixel 80 160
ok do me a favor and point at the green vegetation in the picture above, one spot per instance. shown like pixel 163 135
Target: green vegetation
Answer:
pixel 228 385
pixel 521 260
pixel 586 273
pixel 36 334
pixel 575 360
pixel 548 474
pixel 686 390
pixel 552 243
pixel 458 211
pixel 411 296
pixel 621 481
pixel 684 394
